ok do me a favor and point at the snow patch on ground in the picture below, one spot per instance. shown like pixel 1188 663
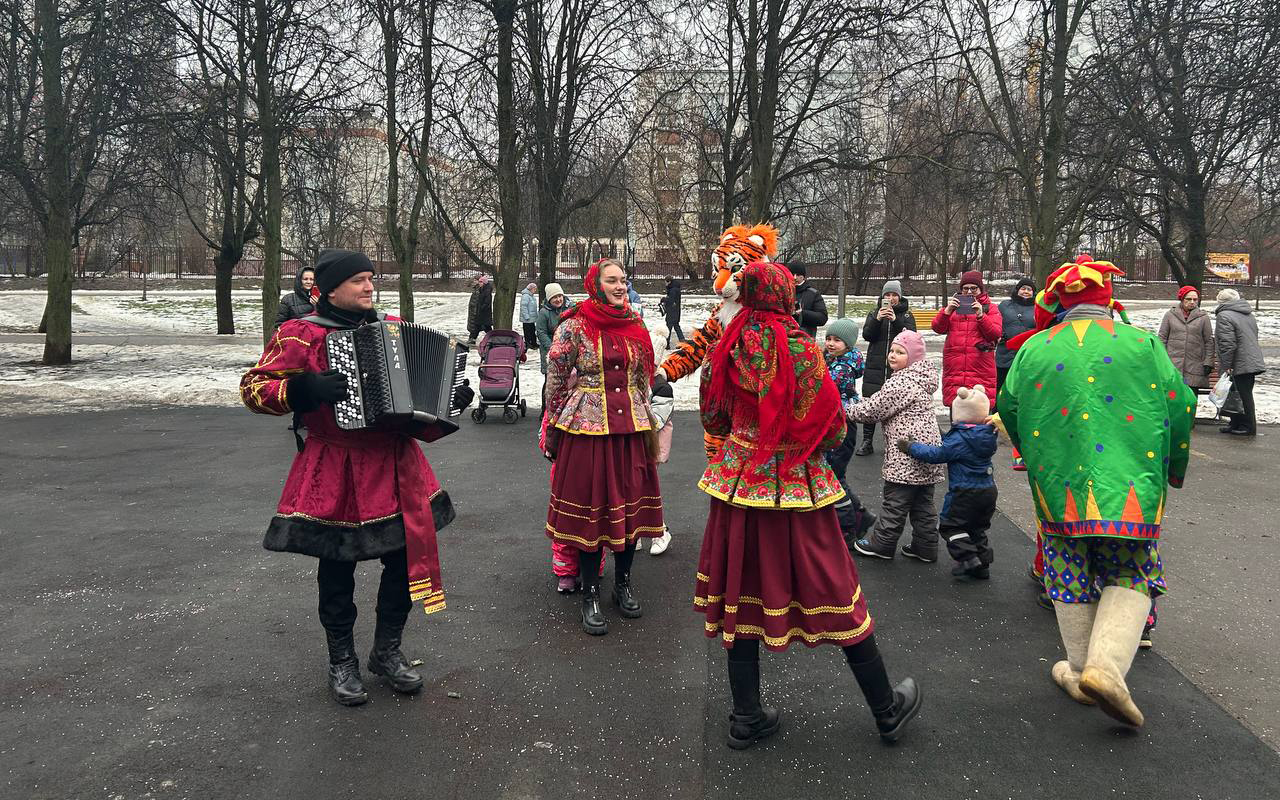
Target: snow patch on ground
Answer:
pixel 194 371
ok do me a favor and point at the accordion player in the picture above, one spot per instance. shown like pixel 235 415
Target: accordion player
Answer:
pixel 400 376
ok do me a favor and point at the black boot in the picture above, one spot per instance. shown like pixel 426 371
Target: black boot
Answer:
pixel 892 708
pixel 344 670
pixel 891 719
pixel 593 621
pixel 387 660
pixel 624 598
pixel 865 448
pixel 750 721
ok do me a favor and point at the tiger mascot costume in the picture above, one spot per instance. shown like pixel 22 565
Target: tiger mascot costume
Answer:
pixel 739 246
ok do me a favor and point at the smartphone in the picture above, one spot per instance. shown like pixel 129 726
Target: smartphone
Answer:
pixel 884 302
pixel 967 305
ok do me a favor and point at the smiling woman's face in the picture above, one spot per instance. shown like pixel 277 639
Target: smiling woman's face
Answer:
pixel 614 284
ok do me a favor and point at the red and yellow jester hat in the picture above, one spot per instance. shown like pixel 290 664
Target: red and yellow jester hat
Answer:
pixel 1083 281
pixel 739 246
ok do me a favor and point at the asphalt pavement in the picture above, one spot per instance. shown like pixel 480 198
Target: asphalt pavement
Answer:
pixel 152 648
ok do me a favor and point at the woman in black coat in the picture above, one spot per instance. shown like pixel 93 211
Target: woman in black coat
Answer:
pixel 884 322
pixel 1018 316
pixel 297 304
pixel 480 308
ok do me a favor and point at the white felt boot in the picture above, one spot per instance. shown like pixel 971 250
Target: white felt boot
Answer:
pixel 1122 614
pixel 1075 623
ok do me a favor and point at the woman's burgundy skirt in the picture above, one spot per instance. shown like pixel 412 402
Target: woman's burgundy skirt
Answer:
pixel 779 576
pixel 604 492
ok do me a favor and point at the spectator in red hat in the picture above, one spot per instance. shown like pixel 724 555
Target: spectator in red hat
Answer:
pixel 973 326
pixel 1187 333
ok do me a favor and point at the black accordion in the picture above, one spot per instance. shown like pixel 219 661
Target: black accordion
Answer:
pixel 400 376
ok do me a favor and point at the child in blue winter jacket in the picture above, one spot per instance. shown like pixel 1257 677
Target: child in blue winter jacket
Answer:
pixel 971 490
pixel 845 363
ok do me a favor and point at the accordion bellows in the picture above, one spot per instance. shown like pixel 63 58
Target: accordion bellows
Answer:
pixel 399 375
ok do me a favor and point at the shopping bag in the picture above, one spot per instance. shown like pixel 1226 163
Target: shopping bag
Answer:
pixel 1221 389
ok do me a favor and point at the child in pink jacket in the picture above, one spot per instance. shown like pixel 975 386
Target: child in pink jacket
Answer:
pixel 905 405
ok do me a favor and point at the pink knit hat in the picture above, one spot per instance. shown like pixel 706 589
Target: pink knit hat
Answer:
pixel 913 343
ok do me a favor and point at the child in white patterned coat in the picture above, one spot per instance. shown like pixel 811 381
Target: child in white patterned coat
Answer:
pixel 905 405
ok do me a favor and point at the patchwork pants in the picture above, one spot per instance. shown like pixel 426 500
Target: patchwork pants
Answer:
pixel 1077 568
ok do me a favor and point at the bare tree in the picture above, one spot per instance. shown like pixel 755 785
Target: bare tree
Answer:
pixel 1026 77
pixel 1192 86
pixel 80 82
pixel 214 151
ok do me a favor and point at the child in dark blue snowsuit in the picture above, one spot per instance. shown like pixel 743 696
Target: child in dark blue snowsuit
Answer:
pixel 971 490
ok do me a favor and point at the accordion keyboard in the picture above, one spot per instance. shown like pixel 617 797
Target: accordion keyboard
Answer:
pixel 342 357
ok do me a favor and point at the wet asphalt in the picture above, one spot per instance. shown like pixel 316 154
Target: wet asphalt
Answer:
pixel 151 648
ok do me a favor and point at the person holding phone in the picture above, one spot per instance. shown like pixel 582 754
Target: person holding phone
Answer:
pixel 890 317
pixel 973 326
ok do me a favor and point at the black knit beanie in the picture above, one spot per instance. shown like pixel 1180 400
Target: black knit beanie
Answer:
pixel 335 266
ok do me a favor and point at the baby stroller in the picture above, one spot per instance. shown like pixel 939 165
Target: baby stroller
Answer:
pixel 500 354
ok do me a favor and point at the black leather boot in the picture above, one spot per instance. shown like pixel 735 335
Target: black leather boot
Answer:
pixel 624 598
pixel 865 448
pixel 344 670
pixel 893 707
pixel 593 621
pixel 387 660
pixel 890 720
pixel 750 721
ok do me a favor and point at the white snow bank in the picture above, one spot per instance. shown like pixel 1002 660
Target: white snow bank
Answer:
pixel 195 372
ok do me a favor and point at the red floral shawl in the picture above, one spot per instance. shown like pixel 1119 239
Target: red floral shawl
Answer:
pixel 769 356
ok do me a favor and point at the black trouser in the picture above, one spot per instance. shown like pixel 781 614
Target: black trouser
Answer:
pixel 337 582
pixel 1001 374
pixel 1248 421
pixel 863 657
pixel 530 337
pixel 966 516
pixel 589 565
pixel 673 326
pixel 838 457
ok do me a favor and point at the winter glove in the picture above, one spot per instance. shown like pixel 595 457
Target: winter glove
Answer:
pixel 659 380
pixel 551 444
pixel 904 445
pixel 465 395
pixel 307 391
pixel 1208 368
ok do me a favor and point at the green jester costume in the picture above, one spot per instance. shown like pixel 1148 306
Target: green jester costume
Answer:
pixel 1103 420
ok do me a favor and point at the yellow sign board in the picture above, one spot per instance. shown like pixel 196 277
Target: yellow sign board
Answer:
pixel 1230 266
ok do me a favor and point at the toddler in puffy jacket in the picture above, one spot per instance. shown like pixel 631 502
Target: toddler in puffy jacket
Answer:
pixel 845 365
pixel 971 490
pixel 905 405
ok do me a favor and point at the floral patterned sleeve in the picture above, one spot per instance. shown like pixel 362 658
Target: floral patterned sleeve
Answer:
pixel 561 359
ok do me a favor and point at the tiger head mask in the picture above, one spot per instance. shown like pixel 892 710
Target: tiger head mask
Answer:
pixel 739 246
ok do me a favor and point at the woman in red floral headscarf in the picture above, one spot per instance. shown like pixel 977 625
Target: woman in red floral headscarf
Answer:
pixel 774 566
pixel 599 435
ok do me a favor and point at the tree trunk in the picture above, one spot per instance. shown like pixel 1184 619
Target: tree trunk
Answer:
pixel 762 103
pixel 224 264
pixel 58 223
pixel 548 244
pixel 511 251
pixel 1196 226
pixel 273 205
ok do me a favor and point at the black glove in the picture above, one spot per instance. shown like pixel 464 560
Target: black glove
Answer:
pixel 465 395
pixel 660 380
pixel 552 443
pixel 307 391
pixel 904 445
pixel 1208 368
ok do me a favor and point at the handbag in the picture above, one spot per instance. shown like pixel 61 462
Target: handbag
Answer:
pixel 1233 404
